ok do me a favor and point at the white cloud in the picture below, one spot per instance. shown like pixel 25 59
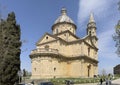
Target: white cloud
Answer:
pixel 104 40
pixel 98 7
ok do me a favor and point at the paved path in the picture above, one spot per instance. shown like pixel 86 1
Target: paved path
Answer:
pixel 114 82
pixel 88 84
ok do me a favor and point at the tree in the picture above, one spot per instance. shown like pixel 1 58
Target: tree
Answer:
pixel 116 36
pixel 24 73
pixel 9 50
pixel 2 24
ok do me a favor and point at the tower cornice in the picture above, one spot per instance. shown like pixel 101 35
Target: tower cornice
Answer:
pixel 63 23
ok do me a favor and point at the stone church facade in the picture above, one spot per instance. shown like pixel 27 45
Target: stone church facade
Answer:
pixel 63 54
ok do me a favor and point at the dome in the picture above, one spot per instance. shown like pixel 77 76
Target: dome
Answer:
pixel 63 17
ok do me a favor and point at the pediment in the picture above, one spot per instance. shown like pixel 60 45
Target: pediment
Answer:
pixel 46 38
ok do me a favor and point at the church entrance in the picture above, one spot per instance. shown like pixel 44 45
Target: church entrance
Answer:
pixel 89 67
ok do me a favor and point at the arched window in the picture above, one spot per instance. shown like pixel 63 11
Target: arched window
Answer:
pixel 89 67
pixel 89 32
pixel 54 69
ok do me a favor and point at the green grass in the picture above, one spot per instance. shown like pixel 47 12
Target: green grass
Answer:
pixel 59 81
pixel 117 75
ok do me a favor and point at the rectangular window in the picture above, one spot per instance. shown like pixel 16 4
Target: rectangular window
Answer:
pixel 56 31
pixel 88 51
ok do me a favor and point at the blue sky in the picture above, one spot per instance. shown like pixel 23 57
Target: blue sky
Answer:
pixel 36 17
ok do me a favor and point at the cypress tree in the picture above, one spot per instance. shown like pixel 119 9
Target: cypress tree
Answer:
pixel 10 43
pixel 2 49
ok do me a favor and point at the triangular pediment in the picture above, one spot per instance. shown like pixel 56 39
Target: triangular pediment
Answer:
pixel 46 38
pixel 67 36
pixel 70 33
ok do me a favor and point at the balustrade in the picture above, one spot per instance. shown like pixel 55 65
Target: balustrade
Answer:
pixel 44 50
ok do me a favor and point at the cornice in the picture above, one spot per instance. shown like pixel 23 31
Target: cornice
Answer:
pixel 61 57
pixel 68 32
pixel 63 23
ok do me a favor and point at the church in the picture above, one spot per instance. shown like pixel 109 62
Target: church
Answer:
pixel 63 54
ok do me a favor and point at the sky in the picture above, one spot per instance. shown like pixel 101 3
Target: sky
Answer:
pixel 37 17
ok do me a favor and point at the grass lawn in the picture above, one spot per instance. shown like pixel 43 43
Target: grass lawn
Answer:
pixel 59 81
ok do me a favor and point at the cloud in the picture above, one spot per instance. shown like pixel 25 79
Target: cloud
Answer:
pixel 98 7
pixel 106 16
pixel 87 6
pixel 104 40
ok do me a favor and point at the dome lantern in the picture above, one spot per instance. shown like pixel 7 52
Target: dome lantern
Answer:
pixel 63 23
pixel 63 11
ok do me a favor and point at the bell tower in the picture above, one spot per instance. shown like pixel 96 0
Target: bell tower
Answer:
pixel 91 29
pixel 91 26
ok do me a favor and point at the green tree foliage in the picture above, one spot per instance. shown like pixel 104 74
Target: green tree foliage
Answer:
pixel 9 50
pixel 116 37
pixel 26 74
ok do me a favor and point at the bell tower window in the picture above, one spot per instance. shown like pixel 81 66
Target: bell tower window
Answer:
pixel 89 32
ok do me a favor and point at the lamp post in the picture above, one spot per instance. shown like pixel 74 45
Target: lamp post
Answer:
pixel 20 74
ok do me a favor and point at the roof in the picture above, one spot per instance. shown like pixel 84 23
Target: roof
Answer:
pixel 68 32
pixel 71 42
pixel 63 17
